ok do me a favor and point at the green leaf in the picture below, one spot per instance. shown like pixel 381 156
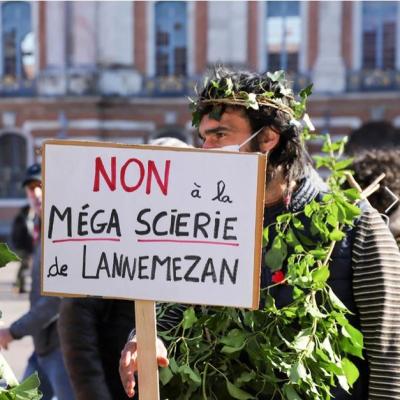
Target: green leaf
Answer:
pixel 6 255
pixel 354 335
pixel 276 76
pixel 277 254
pixel 173 366
pixel 245 377
pixel 265 236
pixel 336 235
pixel 236 392
pixel 297 372
pixel 235 338
pixel 290 392
pixel 343 164
pixel 28 389
pixel 189 318
pixel 351 211
pixel 327 346
pixel 252 101
pixel 350 370
pixel 189 373
pixel 307 91
pixel 216 112
pixel 352 194
pixel 297 223
pixel 348 347
pixel 6 372
pixel 302 341
pixel 321 274
pixel 196 119
pixel 336 301
pixel 165 375
pixel 343 382
pixel 229 87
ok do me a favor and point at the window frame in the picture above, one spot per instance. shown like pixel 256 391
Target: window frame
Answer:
pixel 357 56
pixel 15 201
pixel 262 32
pixel 190 39
pixel 19 87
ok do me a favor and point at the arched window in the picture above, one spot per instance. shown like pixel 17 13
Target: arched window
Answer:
pixel 13 164
pixel 17 45
pixel 283 35
pixel 379 34
pixel 171 38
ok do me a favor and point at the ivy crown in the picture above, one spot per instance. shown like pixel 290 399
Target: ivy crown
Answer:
pixel 223 87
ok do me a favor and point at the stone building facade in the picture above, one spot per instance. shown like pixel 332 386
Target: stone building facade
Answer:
pixel 121 71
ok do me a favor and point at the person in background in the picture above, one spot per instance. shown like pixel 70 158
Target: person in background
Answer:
pixel 22 242
pixel 367 166
pixel 40 321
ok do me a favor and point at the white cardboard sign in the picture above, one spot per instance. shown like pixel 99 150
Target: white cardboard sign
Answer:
pixel 152 223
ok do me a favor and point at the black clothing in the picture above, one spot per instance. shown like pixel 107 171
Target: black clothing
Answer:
pixel 93 331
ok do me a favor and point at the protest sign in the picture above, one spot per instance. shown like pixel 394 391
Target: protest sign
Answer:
pixel 152 223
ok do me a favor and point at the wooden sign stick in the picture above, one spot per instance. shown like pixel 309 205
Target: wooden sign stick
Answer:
pixel 146 335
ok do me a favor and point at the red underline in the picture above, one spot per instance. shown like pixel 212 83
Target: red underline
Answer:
pixel 87 240
pixel 187 241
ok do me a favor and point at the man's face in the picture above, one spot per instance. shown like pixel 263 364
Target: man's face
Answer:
pixel 233 128
pixel 33 192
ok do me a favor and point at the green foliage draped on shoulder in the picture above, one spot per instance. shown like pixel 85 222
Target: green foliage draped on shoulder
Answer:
pixel 296 352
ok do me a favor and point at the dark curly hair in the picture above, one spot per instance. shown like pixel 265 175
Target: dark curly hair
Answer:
pixel 290 153
pixel 373 135
pixel 369 164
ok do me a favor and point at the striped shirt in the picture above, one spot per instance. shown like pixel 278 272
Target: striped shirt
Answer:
pixel 376 285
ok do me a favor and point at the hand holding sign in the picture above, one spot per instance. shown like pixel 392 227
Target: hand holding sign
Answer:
pixel 128 363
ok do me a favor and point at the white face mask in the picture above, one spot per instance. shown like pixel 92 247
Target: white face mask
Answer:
pixel 237 147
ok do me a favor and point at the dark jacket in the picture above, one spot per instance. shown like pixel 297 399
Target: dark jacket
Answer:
pixel 41 320
pixel 21 238
pixel 93 332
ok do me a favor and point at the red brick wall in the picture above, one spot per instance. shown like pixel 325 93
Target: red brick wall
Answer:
pixel 201 26
pixel 313 10
pixel 42 34
pixel 347 33
pixel 252 34
pixel 140 35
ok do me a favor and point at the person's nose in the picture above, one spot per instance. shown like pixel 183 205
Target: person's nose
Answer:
pixel 208 143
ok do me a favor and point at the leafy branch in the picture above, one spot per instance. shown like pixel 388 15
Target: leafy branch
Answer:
pixel 299 351
pixel 28 389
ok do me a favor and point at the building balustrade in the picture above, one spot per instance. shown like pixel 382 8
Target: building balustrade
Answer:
pixel 373 80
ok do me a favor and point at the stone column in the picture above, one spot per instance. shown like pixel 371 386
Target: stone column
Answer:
pixel 227 32
pixel 52 79
pixel 330 71
pixel 115 37
pixel 83 47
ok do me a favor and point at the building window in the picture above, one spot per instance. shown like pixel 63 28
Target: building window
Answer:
pixel 283 34
pixel 17 45
pixel 171 38
pixel 12 165
pixel 379 35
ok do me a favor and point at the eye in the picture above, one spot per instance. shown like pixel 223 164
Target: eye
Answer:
pixel 201 138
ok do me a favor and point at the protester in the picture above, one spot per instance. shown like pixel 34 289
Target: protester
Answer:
pixel 373 135
pixel 40 321
pixel 92 333
pixel 23 243
pixel 364 270
pixel 368 166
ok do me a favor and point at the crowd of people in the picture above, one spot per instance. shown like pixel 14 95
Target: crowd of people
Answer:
pixel 77 342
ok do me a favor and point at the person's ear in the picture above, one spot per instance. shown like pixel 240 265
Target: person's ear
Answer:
pixel 268 139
